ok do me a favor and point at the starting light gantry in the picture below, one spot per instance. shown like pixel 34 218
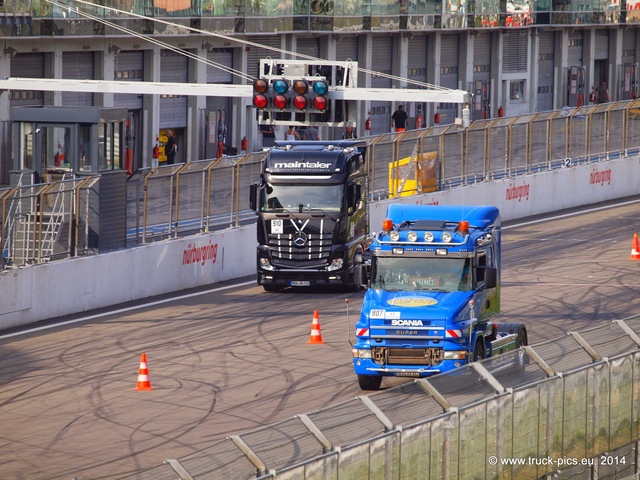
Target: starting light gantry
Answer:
pixel 287 92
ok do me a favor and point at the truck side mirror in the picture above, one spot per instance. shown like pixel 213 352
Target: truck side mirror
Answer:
pixel 253 196
pixel 353 197
pixel 490 277
pixel 358 258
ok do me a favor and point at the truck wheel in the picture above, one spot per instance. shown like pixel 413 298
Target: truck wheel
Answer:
pixel 369 382
pixel 351 284
pixel 522 337
pixel 522 359
pixel 479 350
pixel 352 287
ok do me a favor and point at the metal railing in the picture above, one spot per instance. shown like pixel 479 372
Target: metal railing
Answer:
pixel 566 407
pixel 207 195
pixel 45 222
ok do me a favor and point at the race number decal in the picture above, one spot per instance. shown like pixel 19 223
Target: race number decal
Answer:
pixel 277 227
pixel 383 314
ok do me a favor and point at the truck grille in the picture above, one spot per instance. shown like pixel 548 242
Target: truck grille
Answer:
pixel 407 356
pixel 306 244
pixel 316 248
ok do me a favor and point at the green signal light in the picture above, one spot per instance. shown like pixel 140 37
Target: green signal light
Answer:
pixel 320 88
pixel 280 86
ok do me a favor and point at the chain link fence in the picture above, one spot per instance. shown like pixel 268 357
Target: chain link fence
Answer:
pixel 208 195
pixel 566 408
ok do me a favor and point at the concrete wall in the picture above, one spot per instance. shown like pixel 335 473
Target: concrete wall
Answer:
pixel 59 288
pixel 55 289
pixel 542 192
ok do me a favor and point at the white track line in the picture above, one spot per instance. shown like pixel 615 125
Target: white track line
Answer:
pixel 190 295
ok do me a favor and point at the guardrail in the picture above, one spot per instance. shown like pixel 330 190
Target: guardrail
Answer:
pixel 207 195
pixel 566 407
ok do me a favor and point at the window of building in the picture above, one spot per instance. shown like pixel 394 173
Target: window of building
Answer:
pixel 516 91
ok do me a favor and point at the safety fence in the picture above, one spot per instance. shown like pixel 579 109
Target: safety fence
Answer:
pixel 206 195
pixel 567 407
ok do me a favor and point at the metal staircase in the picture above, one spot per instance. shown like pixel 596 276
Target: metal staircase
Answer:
pixel 36 229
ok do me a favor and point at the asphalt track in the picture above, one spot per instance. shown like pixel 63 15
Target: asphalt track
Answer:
pixel 231 358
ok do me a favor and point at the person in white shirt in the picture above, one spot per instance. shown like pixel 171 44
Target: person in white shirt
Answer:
pixel 291 134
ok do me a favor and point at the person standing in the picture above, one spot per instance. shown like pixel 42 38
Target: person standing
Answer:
pixel 291 134
pixel 349 133
pixel 603 93
pixel 312 133
pixel 170 148
pixel 399 119
pixel 268 135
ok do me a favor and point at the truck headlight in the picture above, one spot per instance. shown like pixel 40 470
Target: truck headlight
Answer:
pixel 455 355
pixel 336 264
pixel 265 264
pixel 361 353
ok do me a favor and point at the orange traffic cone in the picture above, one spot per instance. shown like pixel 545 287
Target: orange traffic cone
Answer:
pixel 316 336
pixel 143 375
pixel 635 248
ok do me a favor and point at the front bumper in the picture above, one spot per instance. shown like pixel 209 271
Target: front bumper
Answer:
pixel 364 366
pixel 302 278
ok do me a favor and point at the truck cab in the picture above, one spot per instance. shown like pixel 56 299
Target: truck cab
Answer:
pixel 433 289
pixel 312 214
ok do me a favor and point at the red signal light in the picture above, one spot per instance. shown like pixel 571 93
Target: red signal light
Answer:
pixel 320 103
pixel 280 101
pixel 300 102
pixel 260 101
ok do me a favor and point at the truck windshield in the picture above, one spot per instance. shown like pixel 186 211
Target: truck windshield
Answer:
pixel 411 273
pixel 299 198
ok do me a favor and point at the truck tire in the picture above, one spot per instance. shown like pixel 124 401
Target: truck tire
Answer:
pixel 351 284
pixel 369 382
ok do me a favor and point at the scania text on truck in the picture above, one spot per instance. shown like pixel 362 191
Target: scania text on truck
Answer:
pixel 312 213
pixel 434 289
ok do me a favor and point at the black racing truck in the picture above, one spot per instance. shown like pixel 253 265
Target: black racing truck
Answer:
pixel 311 203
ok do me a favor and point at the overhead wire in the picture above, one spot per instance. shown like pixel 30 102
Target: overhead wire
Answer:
pixel 155 41
pixel 280 51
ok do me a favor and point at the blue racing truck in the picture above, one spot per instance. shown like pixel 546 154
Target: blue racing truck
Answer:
pixel 433 290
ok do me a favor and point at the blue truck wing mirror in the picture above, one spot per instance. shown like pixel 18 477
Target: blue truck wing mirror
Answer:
pixel 490 277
